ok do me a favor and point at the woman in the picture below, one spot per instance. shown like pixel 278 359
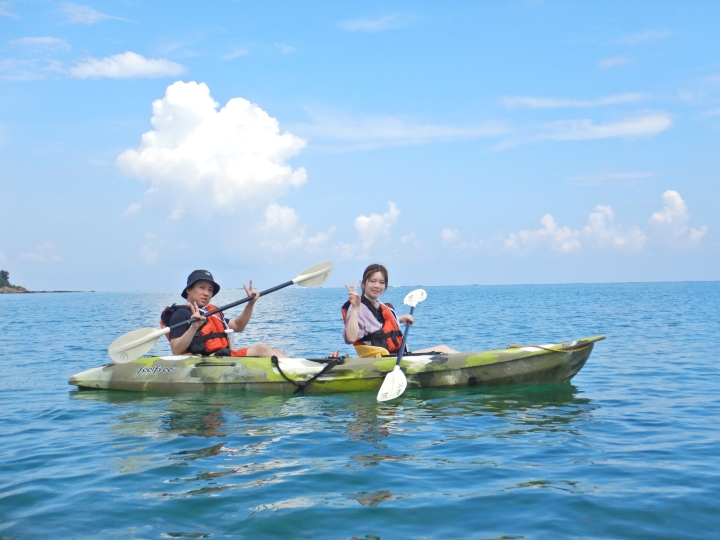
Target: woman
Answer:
pixel 370 322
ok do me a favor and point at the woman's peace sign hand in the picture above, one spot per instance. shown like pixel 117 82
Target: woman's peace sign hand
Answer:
pixel 353 296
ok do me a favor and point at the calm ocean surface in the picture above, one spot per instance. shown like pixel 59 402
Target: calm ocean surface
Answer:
pixel 629 449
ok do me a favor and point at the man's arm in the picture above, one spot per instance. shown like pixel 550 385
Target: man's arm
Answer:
pixel 180 344
pixel 239 324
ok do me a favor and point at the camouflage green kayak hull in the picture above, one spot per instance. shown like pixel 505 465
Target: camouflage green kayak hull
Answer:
pixel 531 364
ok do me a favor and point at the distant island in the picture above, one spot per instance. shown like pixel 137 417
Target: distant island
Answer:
pixel 8 288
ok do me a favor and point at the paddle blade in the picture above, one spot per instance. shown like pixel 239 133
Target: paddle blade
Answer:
pixel 415 297
pixel 393 386
pixel 315 275
pixel 134 344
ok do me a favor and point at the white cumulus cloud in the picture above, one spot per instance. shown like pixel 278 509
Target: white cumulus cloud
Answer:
pixel 696 234
pixel 125 66
pixel 560 238
pixel 598 233
pixel 374 227
pixel 452 238
pixel 411 240
pixel 371 231
pixel 133 208
pixel 282 231
pixel 280 217
pixel 673 218
pixel 207 158
pixel 675 211
pixel 669 228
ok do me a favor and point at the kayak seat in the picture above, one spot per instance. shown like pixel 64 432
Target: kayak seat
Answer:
pixel 368 351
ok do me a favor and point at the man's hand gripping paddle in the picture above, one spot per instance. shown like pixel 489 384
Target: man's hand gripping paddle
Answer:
pixel 136 343
pixel 395 382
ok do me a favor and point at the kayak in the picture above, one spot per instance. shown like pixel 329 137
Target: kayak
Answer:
pixel 530 364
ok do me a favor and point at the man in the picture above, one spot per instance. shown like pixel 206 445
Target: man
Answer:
pixel 207 335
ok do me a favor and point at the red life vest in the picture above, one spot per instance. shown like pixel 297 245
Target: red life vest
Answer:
pixel 210 339
pixel 389 336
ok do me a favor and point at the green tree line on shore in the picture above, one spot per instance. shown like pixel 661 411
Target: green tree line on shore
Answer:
pixel 5 279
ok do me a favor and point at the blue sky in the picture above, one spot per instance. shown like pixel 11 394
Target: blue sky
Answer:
pixel 456 142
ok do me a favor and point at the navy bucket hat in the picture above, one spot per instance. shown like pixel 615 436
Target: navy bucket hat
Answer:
pixel 198 275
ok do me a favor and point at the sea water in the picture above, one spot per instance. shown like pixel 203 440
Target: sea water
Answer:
pixel 629 449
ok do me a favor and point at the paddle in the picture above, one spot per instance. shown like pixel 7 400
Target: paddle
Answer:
pixel 395 382
pixel 136 343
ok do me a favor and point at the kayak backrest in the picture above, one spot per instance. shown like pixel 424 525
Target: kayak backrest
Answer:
pixel 368 351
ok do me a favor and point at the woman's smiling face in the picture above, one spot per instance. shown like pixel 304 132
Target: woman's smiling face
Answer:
pixel 374 286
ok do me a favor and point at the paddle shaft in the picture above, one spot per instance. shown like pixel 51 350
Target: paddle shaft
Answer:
pixel 233 304
pixel 404 341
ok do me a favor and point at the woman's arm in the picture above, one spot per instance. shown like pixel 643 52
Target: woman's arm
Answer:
pixel 352 329
pixel 406 319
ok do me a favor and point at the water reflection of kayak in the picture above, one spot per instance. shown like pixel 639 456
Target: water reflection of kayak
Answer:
pixel 531 364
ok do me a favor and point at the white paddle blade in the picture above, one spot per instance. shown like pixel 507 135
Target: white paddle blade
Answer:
pixel 415 297
pixel 393 386
pixel 134 344
pixel 315 275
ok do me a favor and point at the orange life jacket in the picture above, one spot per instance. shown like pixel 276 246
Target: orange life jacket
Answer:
pixel 389 336
pixel 210 339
